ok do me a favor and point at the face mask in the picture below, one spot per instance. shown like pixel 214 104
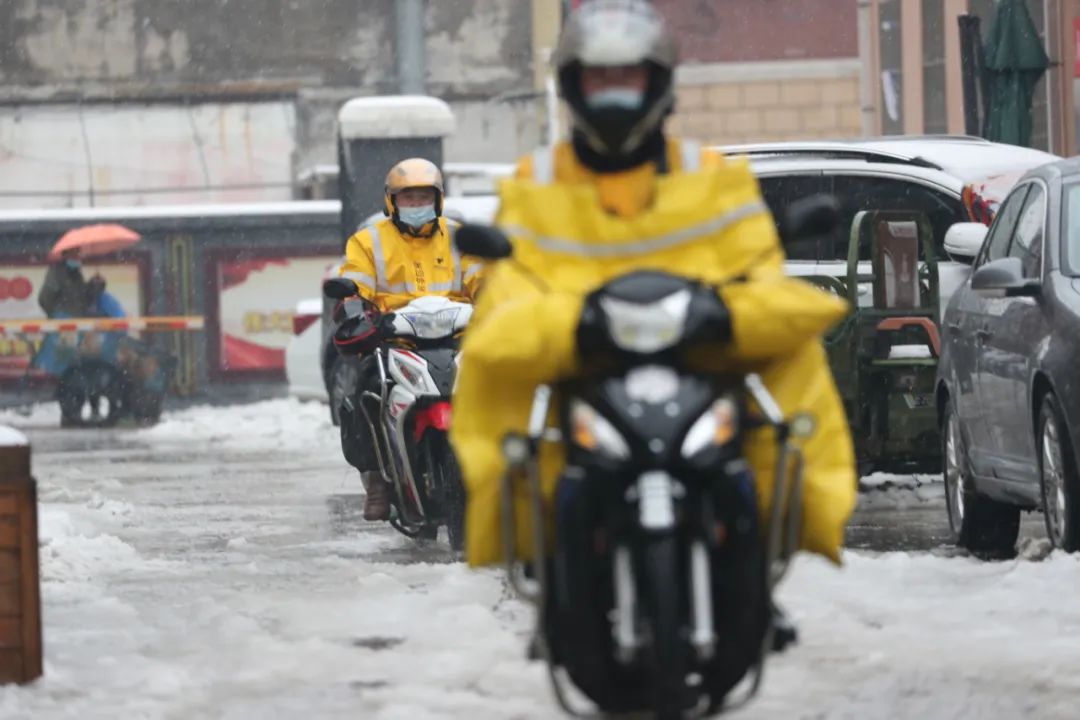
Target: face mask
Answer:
pixel 417 216
pixel 73 264
pixel 620 98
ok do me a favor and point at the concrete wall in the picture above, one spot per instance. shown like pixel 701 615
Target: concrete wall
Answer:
pixel 197 65
pixel 751 102
pixel 762 30
pixel 118 48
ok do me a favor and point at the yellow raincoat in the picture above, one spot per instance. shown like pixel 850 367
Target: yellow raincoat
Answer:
pixel 391 268
pixel 710 225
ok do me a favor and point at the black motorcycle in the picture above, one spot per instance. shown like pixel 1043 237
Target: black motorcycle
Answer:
pixel 658 593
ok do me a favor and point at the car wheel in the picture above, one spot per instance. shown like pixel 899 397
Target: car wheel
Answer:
pixel 1057 477
pixel 979 524
pixel 343 379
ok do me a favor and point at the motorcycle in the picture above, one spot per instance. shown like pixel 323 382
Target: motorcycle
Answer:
pixel 409 417
pixel 657 594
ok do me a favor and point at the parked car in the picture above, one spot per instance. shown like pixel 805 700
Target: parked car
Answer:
pixel 1007 392
pixel 921 173
pixel 310 353
pixel 303 375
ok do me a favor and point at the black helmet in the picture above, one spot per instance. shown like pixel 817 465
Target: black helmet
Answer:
pixel 612 33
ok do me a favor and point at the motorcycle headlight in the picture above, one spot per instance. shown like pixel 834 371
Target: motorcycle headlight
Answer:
pixel 647 328
pixel 717 426
pixel 592 431
pixel 433 325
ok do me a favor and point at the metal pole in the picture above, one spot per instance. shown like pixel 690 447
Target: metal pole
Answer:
pixel 968 26
pixel 409 46
pixel 866 70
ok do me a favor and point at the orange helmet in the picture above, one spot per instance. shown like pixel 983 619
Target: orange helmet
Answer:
pixel 412 173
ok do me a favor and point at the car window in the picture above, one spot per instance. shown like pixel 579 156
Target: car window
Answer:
pixel 781 191
pixel 1071 225
pixel 864 192
pixel 997 242
pixel 1028 237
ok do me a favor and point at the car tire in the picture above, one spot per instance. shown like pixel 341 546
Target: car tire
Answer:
pixel 979 524
pixel 1057 476
pixel 343 377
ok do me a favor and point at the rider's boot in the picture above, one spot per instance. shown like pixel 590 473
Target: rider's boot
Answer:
pixel 376 496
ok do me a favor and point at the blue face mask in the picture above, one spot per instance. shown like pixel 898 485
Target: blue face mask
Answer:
pixel 417 216
pixel 73 264
pixel 620 98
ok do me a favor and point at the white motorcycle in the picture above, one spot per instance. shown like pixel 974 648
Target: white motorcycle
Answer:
pixel 409 416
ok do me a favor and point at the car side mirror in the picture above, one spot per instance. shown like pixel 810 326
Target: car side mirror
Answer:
pixel 338 288
pixel 483 241
pixel 964 240
pixel 1004 278
pixel 809 217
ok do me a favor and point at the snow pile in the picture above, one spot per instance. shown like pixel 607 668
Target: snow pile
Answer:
pixel 916 636
pixel 10 437
pixel 886 491
pixel 38 415
pixel 280 424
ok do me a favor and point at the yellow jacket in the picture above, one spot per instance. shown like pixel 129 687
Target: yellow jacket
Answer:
pixel 709 224
pixel 391 268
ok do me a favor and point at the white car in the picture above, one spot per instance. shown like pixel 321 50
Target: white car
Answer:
pixel 312 366
pixel 925 173
pixel 304 376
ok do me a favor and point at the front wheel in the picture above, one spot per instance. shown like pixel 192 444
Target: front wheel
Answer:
pixel 660 585
pixel 91 394
pixel 979 524
pixel 450 489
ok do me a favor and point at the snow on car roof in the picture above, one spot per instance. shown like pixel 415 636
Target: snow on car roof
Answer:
pixel 965 158
pixel 296 207
pixel 480 208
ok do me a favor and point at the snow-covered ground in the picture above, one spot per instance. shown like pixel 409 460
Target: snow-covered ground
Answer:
pixel 215 566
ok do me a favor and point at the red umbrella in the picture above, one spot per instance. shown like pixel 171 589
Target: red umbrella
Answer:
pixel 95 240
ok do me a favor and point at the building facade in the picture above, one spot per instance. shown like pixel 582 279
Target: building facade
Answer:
pixel 911 52
pixel 122 102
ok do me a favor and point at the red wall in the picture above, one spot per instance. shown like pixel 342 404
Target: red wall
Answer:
pixel 750 30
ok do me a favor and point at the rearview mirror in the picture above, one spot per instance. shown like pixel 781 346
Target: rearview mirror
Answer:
pixel 338 288
pixel 483 241
pixel 1004 278
pixel 809 217
pixel 964 240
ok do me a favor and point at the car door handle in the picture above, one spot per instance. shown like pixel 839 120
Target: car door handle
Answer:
pixel 955 327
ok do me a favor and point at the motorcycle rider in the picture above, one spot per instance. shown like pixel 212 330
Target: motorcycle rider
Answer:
pixel 407 255
pixel 621 195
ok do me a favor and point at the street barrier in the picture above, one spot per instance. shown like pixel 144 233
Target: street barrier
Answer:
pixel 140 324
pixel 20 585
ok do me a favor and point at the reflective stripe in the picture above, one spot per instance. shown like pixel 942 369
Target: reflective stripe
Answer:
pixel 455 256
pixel 360 279
pixel 576 247
pixel 472 272
pixel 543 165
pixel 691 156
pixel 412 288
pixel 440 287
pixel 380 261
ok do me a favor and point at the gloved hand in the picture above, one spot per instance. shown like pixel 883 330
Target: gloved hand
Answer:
pixel 357 330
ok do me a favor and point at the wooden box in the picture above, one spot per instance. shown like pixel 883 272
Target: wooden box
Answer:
pixel 20 588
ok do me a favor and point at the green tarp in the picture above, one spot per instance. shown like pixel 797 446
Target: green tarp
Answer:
pixel 1014 62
